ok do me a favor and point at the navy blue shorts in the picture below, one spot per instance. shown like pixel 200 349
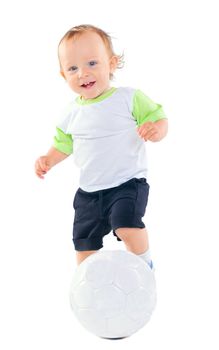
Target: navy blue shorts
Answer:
pixel 99 212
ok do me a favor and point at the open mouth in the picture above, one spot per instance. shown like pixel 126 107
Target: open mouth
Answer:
pixel 88 85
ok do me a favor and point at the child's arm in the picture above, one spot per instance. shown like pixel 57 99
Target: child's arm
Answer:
pixel 154 131
pixel 44 163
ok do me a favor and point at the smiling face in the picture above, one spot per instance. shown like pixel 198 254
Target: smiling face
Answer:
pixel 86 64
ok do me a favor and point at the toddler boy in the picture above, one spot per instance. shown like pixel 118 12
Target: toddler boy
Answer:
pixel 105 128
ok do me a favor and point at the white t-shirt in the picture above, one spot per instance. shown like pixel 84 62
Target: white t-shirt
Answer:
pixel 102 135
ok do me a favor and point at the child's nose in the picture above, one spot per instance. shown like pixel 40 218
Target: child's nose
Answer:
pixel 83 72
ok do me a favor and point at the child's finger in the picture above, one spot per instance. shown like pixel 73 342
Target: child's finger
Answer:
pixel 152 134
pixel 145 126
pixel 39 170
pixel 146 132
pixel 40 174
pixel 43 164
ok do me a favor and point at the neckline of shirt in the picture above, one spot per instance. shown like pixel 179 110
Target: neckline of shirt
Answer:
pixel 99 98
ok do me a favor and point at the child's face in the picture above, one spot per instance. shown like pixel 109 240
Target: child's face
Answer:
pixel 86 64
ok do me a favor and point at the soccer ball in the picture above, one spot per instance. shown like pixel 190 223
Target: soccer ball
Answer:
pixel 113 293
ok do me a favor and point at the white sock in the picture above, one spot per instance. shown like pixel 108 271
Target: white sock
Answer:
pixel 146 256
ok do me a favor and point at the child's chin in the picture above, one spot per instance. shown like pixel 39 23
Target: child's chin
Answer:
pixel 91 95
pixel 87 97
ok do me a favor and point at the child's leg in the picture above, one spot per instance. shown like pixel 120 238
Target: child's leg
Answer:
pixel 136 241
pixel 82 255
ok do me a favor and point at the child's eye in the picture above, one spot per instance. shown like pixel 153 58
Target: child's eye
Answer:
pixel 92 63
pixel 72 69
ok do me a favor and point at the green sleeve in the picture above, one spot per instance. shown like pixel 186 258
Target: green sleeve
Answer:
pixel 145 110
pixel 63 142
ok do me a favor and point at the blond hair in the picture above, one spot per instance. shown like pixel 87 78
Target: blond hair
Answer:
pixel 83 28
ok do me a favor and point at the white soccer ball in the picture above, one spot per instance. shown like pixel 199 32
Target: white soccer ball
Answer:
pixel 113 293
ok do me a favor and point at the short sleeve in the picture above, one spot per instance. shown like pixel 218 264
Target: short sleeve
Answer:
pixel 145 110
pixel 63 142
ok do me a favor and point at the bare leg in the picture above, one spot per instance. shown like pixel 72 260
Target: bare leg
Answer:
pixel 82 255
pixel 135 239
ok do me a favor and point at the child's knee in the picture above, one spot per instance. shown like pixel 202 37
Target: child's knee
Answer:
pixel 128 234
pixel 135 239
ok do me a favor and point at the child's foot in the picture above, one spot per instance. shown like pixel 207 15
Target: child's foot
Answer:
pixel 147 258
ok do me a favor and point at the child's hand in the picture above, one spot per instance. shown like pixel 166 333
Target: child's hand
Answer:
pixel 149 131
pixel 42 165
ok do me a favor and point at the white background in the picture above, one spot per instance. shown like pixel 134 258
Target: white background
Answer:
pixel 171 53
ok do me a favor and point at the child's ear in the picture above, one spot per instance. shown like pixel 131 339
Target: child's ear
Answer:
pixel 62 74
pixel 113 63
